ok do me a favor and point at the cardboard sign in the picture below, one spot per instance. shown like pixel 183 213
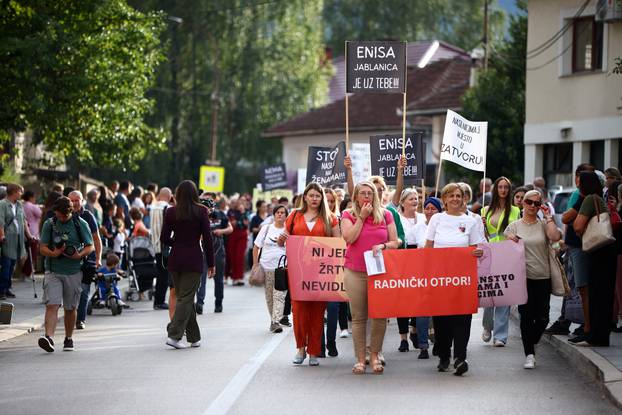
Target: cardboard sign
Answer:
pixel 424 282
pixel 361 156
pixel 464 142
pixel 274 177
pixel 502 274
pixel 212 179
pixel 386 150
pixel 315 268
pixel 325 165
pixel 267 196
pixel 376 67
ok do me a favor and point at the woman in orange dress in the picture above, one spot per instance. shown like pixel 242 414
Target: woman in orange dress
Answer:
pixel 312 219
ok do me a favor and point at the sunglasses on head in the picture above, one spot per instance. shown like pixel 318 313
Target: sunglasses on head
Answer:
pixel 530 202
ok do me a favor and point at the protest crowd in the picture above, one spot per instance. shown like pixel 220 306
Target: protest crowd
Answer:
pixel 166 240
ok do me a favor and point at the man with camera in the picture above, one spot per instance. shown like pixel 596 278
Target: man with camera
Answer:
pixel 65 241
pixel 220 227
pixel 93 261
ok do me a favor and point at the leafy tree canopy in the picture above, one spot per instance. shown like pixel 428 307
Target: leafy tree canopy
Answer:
pixel 499 98
pixel 459 22
pixel 76 73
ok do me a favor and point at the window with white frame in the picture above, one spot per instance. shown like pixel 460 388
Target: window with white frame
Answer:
pixel 587 45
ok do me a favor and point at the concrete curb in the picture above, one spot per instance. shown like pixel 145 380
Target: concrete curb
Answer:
pixel 24 327
pixel 36 323
pixel 588 362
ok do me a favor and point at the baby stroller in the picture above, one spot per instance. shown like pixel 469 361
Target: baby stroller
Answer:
pixel 141 267
pixel 111 301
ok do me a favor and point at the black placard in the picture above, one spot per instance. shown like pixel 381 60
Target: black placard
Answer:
pixel 386 150
pixel 325 165
pixel 274 177
pixel 376 67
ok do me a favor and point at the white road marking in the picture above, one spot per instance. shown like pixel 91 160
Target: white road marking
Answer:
pixel 225 400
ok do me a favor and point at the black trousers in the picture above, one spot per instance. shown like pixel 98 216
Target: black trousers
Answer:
pixel 534 316
pixel 159 296
pixel 601 288
pixel 404 322
pixel 287 310
pixel 343 315
pixel 454 330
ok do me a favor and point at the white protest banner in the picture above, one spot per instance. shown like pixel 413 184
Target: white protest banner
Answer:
pixel 361 156
pixel 464 142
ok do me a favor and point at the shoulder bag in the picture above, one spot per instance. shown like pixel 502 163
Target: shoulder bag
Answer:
pixel 280 275
pixel 598 232
pixel 559 279
pixel 258 274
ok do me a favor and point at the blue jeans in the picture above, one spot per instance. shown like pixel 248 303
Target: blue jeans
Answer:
pixel 219 284
pixel 500 325
pixel 84 299
pixel 7 266
pixel 103 292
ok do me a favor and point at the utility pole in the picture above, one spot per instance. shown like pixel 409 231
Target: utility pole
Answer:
pixel 485 39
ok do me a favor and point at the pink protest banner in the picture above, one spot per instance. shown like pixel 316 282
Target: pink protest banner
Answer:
pixel 501 274
pixel 315 268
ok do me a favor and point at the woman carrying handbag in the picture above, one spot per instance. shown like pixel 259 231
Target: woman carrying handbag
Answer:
pixel 271 253
pixel 536 236
pixel 595 231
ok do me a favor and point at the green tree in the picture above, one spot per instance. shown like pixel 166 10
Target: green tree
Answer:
pixel 459 22
pixel 499 98
pixel 75 73
pixel 234 69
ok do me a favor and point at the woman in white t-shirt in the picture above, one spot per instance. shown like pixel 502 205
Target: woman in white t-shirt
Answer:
pixel 271 253
pixel 453 228
pixel 414 224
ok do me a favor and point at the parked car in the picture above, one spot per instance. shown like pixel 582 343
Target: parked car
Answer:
pixel 559 196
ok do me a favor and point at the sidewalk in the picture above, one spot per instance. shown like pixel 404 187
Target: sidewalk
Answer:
pixel 28 312
pixel 602 364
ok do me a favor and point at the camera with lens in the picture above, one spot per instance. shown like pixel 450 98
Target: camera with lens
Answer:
pixel 58 241
pixel 208 203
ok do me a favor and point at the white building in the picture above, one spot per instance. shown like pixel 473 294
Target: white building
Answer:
pixel 573 100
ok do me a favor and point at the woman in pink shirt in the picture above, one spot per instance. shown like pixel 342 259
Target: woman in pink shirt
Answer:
pixel 365 227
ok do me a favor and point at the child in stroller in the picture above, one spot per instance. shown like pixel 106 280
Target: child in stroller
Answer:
pixel 107 294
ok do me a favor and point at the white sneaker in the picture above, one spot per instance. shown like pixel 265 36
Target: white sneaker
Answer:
pixel 486 335
pixel 530 362
pixel 196 344
pixel 177 344
pixel 499 343
pixel 344 334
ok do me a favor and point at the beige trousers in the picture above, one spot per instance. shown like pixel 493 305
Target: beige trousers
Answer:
pixel 356 287
pixel 275 300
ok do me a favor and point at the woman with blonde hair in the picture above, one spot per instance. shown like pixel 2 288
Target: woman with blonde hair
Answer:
pixel 367 226
pixel 453 228
pixel 536 235
pixel 312 219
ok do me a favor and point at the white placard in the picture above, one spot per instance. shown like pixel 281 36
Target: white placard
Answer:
pixel 374 263
pixel 361 161
pixel 302 176
pixel 464 142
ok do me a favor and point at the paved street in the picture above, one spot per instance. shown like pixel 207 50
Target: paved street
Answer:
pixel 121 366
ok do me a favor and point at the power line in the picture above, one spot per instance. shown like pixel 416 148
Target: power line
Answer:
pixel 551 41
pixel 535 68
